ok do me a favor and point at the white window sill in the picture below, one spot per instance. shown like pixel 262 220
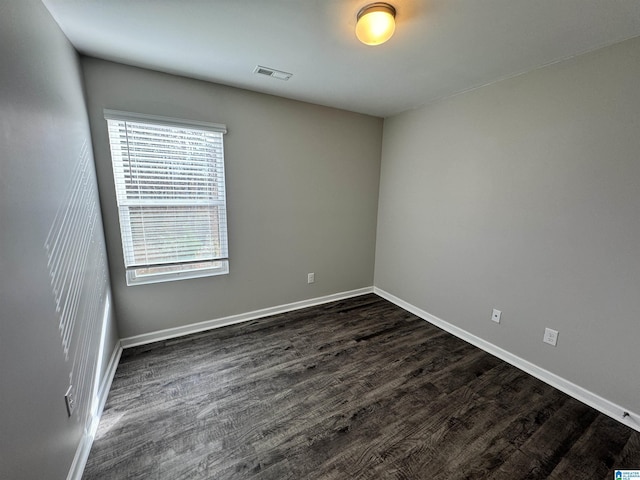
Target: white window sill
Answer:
pixel 135 278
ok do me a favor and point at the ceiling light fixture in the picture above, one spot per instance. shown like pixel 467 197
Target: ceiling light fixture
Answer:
pixel 376 23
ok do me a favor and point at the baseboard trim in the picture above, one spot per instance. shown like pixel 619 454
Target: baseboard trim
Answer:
pixel 601 404
pixel 168 333
pixel 84 447
pixel 105 386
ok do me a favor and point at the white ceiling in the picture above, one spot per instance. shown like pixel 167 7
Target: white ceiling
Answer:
pixel 441 47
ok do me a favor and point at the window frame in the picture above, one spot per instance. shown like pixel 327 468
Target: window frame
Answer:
pixel 216 265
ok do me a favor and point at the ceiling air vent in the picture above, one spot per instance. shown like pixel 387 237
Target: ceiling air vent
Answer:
pixel 271 72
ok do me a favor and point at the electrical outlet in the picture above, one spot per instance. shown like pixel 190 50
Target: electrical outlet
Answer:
pixel 495 316
pixel 311 277
pixel 550 336
pixel 70 400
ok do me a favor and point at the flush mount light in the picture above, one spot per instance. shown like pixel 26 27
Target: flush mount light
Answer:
pixel 376 23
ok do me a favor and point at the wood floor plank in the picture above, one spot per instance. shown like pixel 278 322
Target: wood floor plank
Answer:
pixel 540 454
pixel 591 453
pixel 352 389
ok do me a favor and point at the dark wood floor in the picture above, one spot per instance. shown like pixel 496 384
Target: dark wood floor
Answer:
pixel 354 389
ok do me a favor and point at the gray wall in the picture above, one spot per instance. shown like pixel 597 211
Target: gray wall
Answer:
pixel 302 189
pixel 51 249
pixel 525 196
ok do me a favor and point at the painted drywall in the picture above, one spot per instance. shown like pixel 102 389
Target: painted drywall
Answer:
pixel 302 193
pixel 54 284
pixel 525 196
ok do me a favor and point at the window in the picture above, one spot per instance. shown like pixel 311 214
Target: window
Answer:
pixel 170 189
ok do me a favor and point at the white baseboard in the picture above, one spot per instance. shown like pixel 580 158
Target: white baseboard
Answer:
pixel 603 405
pixel 233 319
pixel 84 448
pixel 105 386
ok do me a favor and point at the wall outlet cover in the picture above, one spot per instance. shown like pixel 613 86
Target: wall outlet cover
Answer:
pixel 495 316
pixel 70 400
pixel 550 336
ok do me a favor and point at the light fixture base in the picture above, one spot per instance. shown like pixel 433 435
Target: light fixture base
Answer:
pixel 376 7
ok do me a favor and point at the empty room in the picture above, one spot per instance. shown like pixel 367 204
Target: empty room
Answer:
pixel 319 239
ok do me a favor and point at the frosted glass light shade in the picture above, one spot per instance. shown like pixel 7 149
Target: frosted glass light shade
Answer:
pixel 376 23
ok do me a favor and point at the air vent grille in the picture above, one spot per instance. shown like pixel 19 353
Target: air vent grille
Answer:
pixel 272 72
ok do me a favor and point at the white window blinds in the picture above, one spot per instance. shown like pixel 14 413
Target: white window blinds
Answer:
pixel 170 189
